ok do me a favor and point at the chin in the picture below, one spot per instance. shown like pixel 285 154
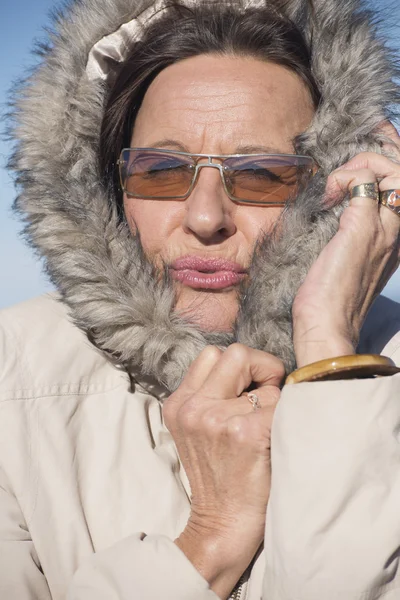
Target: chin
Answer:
pixel 210 311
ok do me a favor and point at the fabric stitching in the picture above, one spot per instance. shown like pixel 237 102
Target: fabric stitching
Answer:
pixel 58 394
pixel 33 476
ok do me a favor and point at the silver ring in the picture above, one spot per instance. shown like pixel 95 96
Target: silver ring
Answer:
pixel 254 400
pixel 366 190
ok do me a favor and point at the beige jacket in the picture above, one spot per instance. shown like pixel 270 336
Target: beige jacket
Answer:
pixel 92 494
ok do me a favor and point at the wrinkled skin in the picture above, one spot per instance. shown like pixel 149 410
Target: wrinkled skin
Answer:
pixel 210 105
pixel 214 105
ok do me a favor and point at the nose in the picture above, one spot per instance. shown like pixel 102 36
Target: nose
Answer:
pixel 209 212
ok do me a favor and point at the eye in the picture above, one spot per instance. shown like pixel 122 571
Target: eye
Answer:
pixel 262 173
pixel 153 166
pixel 271 174
pixel 165 165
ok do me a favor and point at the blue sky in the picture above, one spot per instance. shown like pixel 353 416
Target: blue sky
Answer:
pixel 21 22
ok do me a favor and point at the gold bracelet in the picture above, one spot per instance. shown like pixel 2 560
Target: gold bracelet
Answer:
pixel 353 366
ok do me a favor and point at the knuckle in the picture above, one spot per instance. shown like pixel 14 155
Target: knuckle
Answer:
pixel 238 352
pixel 211 353
pixel 361 160
pixel 188 416
pixel 193 419
pixel 236 430
pixel 367 155
pixel 169 409
pixel 211 422
pixel 363 174
pixel 335 177
pixel 277 366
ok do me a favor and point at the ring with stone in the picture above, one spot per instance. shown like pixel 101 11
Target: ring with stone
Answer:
pixel 254 400
pixel 391 199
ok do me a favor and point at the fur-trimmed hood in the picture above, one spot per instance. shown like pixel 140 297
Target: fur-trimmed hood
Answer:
pixel 98 266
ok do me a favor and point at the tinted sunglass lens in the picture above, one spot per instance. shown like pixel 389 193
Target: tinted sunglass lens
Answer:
pixel 264 181
pixel 156 175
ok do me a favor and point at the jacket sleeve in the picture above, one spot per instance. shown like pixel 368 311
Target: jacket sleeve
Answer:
pixel 137 568
pixel 140 568
pixel 20 574
pixel 333 519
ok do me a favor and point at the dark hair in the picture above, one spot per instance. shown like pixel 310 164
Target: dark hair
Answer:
pixel 185 32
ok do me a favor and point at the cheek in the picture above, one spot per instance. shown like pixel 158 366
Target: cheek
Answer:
pixel 255 221
pixel 155 221
pixel 160 226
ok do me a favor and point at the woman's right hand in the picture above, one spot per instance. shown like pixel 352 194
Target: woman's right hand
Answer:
pixel 224 446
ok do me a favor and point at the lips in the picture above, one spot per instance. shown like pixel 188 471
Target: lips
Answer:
pixel 207 273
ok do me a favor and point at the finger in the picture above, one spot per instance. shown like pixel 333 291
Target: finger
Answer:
pixel 194 378
pixel 200 369
pixel 341 182
pixel 380 165
pixel 240 366
pixel 389 217
pixel 389 183
pixel 266 396
pixel 391 139
pixel 263 414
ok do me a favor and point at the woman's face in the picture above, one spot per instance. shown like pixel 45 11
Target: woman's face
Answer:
pixel 213 105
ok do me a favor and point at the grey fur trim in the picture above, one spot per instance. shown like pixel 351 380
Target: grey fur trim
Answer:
pixel 100 268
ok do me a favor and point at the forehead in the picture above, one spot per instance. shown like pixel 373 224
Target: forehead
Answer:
pixel 214 103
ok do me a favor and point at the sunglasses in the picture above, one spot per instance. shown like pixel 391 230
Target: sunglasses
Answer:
pixel 257 179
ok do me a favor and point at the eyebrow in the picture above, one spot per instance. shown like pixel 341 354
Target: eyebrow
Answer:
pixel 248 149
pixel 169 143
pixel 258 149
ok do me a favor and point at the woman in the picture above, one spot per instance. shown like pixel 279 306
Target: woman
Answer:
pixel 185 172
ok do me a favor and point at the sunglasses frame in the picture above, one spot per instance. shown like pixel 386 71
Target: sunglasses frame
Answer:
pixel 197 166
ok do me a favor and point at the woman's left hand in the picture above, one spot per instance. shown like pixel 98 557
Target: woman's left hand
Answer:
pixel 354 267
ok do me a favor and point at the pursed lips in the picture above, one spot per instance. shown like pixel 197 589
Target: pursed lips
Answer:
pixel 200 272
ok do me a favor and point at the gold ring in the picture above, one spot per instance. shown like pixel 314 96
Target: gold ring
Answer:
pixel 254 400
pixel 366 190
pixel 391 199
